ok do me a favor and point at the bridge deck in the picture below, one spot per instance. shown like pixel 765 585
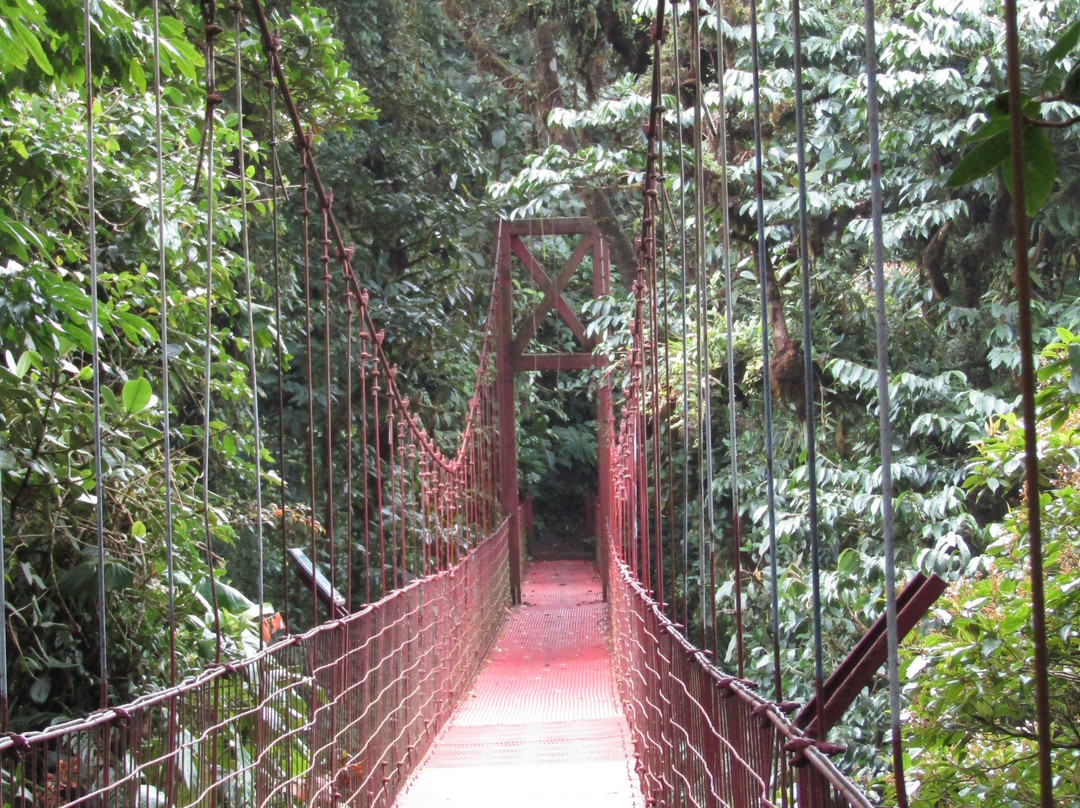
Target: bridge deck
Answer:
pixel 542 724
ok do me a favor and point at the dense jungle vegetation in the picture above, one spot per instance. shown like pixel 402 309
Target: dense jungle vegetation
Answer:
pixel 431 118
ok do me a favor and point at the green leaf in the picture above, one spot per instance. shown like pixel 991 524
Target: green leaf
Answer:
pixel 33 47
pixel 1074 368
pixel 137 396
pixel 117 577
pixel 1039 170
pixel 981 160
pixel 990 128
pixel 137 76
pixel 23 365
pixel 1066 42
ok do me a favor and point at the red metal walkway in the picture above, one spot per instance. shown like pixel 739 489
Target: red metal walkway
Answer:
pixel 543 724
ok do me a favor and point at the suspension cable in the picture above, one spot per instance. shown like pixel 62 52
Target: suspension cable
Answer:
pixel 245 256
pixel 662 273
pixel 303 145
pixel 1022 282
pixel 729 317
pixel 808 371
pixel 325 203
pixel 349 335
pixel 95 359
pixel 365 471
pixel 684 292
pixel 209 12
pixel 884 423
pixel 708 471
pixel 167 471
pixel 271 46
pixel 762 258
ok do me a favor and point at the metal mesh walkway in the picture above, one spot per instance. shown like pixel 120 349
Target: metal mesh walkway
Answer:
pixel 542 724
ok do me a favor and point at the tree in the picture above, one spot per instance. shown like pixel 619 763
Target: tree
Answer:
pixel 46 405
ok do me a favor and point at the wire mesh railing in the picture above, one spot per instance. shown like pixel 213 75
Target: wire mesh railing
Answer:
pixel 339 715
pixel 702 737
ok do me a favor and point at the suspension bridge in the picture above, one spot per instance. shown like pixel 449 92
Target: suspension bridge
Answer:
pixel 458 673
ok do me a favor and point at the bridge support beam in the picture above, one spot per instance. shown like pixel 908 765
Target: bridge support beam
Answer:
pixel 514 338
pixel 507 404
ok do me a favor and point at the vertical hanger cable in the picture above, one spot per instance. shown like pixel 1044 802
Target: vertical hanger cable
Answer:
pixel 884 406
pixel 808 371
pixel 762 260
pixel 729 317
pixel 95 359
pixel 163 289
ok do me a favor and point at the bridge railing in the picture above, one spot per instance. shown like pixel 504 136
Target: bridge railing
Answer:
pixel 702 737
pixel 339 715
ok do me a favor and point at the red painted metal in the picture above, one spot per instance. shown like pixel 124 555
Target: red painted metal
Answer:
pixel 860 666
pixel 507 405
pixel 342 714
pixel 542 725
pixel 514 335
pixel 704 738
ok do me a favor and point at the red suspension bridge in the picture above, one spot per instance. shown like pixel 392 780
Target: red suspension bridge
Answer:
pixel 588 687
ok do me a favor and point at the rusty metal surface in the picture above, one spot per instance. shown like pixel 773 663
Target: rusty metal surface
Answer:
pixel 543 723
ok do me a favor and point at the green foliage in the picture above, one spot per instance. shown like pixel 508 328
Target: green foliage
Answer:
pixel 993 138
pixel 46 400
pixel 971 685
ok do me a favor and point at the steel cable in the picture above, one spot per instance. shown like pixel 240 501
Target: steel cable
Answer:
pixel 708 473
pixel 884 406
pixel 209 11
pixel 245 257
pixel 304 146
pixel 325 202
pixel 95 360
pixel 166 429
pixel 729 318
pixel 762 259
pixel 808 370
pixel 684 297
pixel 270 46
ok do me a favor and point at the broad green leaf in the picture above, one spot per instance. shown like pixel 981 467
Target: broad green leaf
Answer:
pixel 1039 170
pixel 981 160
pixel 137 396
pixel 23 365
pixel 990 128
pixel 33 47
pixel 137 76
pixel 1066 42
